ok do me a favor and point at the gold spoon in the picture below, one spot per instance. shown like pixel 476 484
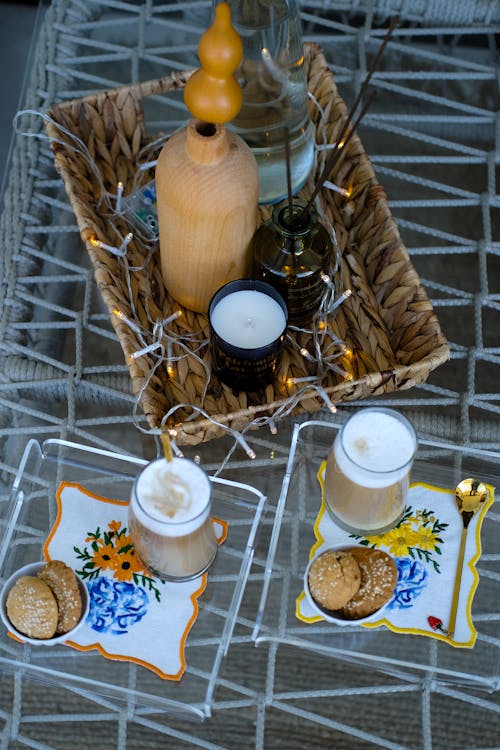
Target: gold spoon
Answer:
pixel 470 495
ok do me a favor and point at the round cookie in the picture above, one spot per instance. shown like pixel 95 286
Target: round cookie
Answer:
pixel 32 608
pixel 334 578
pixel 64 585
pixel 379 575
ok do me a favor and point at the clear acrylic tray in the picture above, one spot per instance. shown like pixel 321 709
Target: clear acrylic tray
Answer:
pixel 26 519
pixel 404 655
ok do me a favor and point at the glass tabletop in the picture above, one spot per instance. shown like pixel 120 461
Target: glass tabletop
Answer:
pixel 26 520
pixel 437 464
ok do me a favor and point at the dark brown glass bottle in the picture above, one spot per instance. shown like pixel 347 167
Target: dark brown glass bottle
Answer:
pixel 291 251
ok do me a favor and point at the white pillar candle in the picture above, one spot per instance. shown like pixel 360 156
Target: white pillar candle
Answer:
pixel 248 319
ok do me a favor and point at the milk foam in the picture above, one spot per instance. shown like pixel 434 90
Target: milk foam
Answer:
pixel 375 449
pixel 172 497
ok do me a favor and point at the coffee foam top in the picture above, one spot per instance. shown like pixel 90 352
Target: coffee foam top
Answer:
pixel 376 448
pixel 173 496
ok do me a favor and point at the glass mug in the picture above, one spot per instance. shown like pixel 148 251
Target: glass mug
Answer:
pixel 368 471
pixel 169 519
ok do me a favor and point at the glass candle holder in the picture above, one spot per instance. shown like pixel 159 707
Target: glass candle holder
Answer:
pixel 248 321
pixel 368 471
pixel 169 519
pixel 292 251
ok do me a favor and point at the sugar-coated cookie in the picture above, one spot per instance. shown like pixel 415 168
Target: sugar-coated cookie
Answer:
pixel 379 575
pixel 334 578
pixel 32 608
pixel 63 582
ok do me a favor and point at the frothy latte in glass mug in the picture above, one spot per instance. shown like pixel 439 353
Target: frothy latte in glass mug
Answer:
pixel 169 519
pixel 368 471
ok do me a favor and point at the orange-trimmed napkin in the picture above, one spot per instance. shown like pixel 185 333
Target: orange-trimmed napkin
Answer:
pixel 425 545
pixel 133 616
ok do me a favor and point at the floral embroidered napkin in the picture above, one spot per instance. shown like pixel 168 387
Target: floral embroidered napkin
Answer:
pixel 133 616
pixel 425 545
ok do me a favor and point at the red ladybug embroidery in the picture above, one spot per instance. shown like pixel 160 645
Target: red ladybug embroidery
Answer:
pixel 436 624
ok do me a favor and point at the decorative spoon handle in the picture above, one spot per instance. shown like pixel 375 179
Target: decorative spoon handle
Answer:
pixel 458 581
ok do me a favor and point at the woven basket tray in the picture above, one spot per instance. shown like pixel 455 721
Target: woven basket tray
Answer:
pixel 391 332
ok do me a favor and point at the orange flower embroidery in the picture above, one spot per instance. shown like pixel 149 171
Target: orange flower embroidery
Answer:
pixel 104 557
pixel 125 564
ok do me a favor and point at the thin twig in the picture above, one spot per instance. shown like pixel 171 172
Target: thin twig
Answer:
pixel 348 127
pixel 371 70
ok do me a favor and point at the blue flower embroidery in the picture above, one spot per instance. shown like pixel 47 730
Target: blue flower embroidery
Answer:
pixel 412 580
pixel 115 605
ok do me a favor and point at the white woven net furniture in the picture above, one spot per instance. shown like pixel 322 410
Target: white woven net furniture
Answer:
pixel 432 136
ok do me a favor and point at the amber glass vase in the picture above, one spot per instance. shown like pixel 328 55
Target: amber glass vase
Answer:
pixel 292 251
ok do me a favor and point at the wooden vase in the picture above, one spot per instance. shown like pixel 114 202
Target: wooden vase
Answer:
pixel 207 194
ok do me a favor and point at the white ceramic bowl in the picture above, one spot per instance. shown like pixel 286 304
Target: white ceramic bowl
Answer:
pixel 31 570
pixel 328 614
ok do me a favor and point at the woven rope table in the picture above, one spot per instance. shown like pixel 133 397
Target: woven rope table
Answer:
pixel 432 141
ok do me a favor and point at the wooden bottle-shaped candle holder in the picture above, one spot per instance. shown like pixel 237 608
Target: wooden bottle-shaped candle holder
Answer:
pixel 206 179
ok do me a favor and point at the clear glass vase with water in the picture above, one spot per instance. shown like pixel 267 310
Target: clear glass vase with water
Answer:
pixel 275 101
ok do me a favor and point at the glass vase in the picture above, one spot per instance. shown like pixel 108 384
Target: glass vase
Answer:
pixel 292 251
pixel 275 98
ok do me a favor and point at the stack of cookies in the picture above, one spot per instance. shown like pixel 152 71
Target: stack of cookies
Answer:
pixel 45 605
pixel 352 583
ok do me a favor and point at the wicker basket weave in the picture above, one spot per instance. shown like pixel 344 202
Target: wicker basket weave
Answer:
pixel 388 323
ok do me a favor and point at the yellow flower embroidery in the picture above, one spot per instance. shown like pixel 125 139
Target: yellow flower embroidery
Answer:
pixel 416 519
pixel 125 540
pixel 425 539
pixel 113 551
pixel 419 535
pixel 376 540
pixel 400 539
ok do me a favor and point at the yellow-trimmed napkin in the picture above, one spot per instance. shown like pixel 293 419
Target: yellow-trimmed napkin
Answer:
pixel 133 616
pixel 425 545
